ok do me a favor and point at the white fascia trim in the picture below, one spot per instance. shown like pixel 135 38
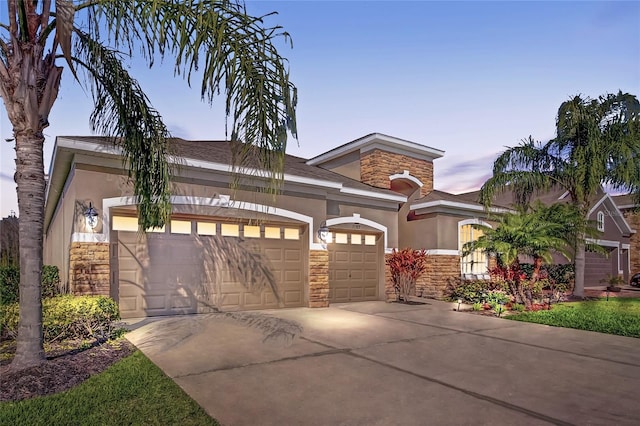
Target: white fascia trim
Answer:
pixel 89 237
pixel 221 201
pixel 626 206
pixel 377 137
pixel 88 146
pixel 443 252
pixel 595 206
pixel 625 246
pixel 370 194
pixel 604 243
pixel 406 175
pixel 227 168
pixel 457 205
pixel 360 220
pixel 619 220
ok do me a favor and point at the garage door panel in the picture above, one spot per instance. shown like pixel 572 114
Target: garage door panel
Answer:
pixel 353 272
pixel 128 304
pixel 291 296
pixel 252 300
pixel 291 255
pixel 371 257
pixel 341 275
pixel 370 275
pixel 292 276
pixel 341 256
pixel 341 294
pixel 356 274
pixel 159 274
pixel 356 292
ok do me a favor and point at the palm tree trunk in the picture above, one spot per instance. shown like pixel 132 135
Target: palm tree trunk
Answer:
pixel 31 192
pixel 537 265
pixel 578 289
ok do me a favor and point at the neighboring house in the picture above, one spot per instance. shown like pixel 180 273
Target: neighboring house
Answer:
pixel 625 205
pixel 373 194
pixel 608 219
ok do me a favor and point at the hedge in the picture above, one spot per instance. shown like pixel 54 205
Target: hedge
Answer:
pixel 67 317
pixel 10 282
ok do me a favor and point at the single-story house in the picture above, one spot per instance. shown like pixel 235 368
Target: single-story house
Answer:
pixel 372 194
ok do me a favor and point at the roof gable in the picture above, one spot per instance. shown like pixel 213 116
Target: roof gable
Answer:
pixel 379 141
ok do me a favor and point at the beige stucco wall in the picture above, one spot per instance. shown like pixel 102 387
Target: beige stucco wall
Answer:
pixel 93 184
pixel 430 232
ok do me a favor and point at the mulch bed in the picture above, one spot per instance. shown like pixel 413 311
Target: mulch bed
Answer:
pixel 68 364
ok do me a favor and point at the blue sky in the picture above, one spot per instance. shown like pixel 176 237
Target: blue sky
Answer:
pixel 466 77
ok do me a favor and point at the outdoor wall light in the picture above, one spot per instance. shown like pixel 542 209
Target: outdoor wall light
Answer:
pixel 91 217
pixel 323 233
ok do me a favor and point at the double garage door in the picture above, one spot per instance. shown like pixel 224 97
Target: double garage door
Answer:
pixel 200 265
pixel 354 266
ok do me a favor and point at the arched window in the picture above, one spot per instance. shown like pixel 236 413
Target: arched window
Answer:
pixel 601 221
pixel 476 262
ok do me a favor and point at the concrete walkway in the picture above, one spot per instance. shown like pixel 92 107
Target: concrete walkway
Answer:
pixel 374 363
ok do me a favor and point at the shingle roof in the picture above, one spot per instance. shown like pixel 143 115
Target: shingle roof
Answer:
pixel 220 152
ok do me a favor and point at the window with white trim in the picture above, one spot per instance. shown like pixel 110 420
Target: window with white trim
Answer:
pixel 600 220
pixel 477 261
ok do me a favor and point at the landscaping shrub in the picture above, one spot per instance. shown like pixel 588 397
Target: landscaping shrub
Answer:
pixel 50 281
pixel 560 276
pixel 406 267
pixel 471 291
pixel 10 281
pixel 68 317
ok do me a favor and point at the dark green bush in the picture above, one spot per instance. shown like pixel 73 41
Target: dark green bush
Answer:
pixel 10 281
pixel 50 281
pixel 68 317
pixel 470 291
pixel 561 276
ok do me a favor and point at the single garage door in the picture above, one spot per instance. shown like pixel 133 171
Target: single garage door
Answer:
pixel 598 266
pixel 181 270
pixel 354 266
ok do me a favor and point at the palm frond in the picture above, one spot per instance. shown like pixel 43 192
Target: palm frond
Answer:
pixel 123 111
pixel 233 52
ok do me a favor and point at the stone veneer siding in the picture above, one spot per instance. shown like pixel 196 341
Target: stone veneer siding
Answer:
pixel 634 221
pixel 440 270
pixel 376 166
pixel 318 278
pixel 89 270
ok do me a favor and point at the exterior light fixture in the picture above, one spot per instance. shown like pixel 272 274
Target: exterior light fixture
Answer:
pixel 323 233
pixel 459 302
pixel 91 217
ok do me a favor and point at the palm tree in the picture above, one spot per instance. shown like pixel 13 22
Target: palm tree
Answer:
pixel 233 52
pixel 524 233
pixel 597 143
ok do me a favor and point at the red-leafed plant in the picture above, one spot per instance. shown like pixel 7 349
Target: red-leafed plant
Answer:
pixel 406 267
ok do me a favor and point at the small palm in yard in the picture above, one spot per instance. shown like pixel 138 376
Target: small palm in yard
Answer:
pixel 597 143
pixel 516 234
pixel 233 52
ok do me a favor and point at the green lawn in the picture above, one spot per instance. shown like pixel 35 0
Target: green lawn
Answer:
pixel 617 316
pixel 131 392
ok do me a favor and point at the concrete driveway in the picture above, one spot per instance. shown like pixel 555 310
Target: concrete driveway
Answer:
pixel 374 363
